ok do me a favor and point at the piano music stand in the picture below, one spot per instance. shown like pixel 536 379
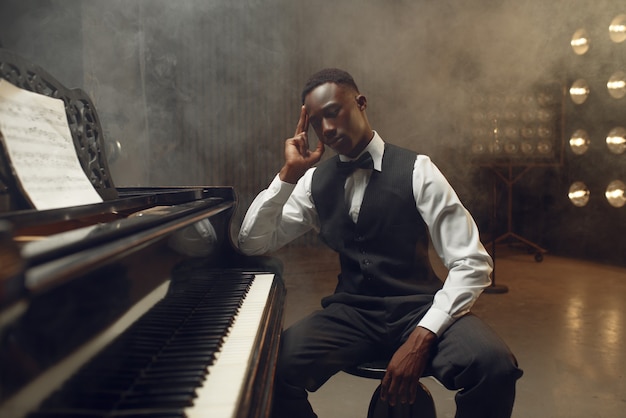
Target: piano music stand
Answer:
pixel 83 122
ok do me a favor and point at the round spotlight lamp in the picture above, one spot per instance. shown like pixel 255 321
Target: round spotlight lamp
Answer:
pixel 616 140
pixel 580 42
pixel 617 29
pixel 544 147
pixel 578 194
pixel 579 142
pixel 545 115
pixel 617 85
pixel 511 132
pixel 511 147
pixel 615 193
pixel 527 147
pixel 544 131
pixel 478 148
pixel 579 91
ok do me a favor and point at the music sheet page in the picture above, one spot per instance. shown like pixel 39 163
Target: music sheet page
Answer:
pixel 36 136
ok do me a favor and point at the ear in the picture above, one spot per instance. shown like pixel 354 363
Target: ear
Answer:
pixel 361 101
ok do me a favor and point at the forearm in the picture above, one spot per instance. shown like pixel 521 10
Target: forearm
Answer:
pixel 462 287
pixel 469 266
pixel 455 238
pixel 277 215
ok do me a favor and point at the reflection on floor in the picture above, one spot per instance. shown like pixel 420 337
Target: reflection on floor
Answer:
pixel 564 319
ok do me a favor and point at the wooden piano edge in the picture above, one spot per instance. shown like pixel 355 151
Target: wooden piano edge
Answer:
pixel 257 393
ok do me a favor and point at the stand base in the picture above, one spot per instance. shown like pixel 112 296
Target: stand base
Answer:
pixel 496 288
pixel 539 252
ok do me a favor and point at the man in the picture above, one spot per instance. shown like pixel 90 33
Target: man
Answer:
pixel 387 300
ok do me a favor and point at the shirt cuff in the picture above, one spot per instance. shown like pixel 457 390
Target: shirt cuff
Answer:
pixel 436 321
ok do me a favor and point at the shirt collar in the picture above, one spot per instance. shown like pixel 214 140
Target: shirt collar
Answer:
pixel 376 148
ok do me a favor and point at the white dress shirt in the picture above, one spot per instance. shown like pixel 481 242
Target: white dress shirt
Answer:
pixel 285 211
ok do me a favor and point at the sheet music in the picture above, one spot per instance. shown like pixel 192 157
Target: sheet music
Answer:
pixel 37 138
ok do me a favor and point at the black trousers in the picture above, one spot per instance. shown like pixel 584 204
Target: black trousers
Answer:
pixel 469 358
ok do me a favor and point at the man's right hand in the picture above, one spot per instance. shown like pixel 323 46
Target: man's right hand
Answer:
pixel 298 157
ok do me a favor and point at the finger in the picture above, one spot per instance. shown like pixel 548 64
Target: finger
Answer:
pixel 319 150
pixel 303 123
pixel 404 393
pixel 413 393
pixel 384 388
pixel 301 141
pixel 305 128
pixel 305 140
pixel 392 392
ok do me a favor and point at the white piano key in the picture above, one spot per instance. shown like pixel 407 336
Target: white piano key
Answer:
pixel 221 392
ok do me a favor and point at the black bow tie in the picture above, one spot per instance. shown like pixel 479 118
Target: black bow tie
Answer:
pixel 364 161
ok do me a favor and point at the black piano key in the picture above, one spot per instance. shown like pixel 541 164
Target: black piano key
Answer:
pixel 96 401
pixel 161 401
pixel 67 413
pixel 147 413
pixel 170 381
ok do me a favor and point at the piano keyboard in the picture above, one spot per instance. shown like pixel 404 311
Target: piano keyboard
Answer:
pixel 187 357
pixel 220 393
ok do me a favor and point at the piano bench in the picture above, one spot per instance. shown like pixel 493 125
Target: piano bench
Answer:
pixel 423 407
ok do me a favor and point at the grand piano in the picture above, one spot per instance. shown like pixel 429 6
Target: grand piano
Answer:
pixel 138 306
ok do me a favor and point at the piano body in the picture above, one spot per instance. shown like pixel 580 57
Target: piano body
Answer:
pixel 139 306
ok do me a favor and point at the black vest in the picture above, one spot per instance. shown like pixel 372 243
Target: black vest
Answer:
pixel 385 253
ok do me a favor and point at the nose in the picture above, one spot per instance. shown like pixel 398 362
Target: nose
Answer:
pixel 328 129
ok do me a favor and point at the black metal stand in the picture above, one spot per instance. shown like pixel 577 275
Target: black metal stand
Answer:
pixel 510 179
pixel 494 288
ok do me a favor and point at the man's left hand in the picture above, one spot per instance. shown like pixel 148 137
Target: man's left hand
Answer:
pixel 405 368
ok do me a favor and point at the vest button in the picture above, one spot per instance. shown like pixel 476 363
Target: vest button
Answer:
pixel 359 238
pixel 362 250
pixel 367 262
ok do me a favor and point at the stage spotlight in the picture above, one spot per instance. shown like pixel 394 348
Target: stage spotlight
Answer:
pixel 615 193
pixel 580 42
pixel 511 132
pixel 529 115
pixel 528 131
pixel 479 148
pixel 579 142
pixel 616 140
pixel 544 132
pixel 617 28
pixel 510 115
pixel 544 147
pixel 578 194
pixel 510 147
pixel 545 115
pixel 479 117
pixel 617 85
pixel 579 91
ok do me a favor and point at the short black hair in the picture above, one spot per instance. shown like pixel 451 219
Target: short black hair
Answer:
pixel 328 75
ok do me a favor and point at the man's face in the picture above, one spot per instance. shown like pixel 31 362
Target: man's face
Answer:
pixel 337 114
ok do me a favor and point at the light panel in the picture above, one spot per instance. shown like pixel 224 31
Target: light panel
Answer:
pixel 516 126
